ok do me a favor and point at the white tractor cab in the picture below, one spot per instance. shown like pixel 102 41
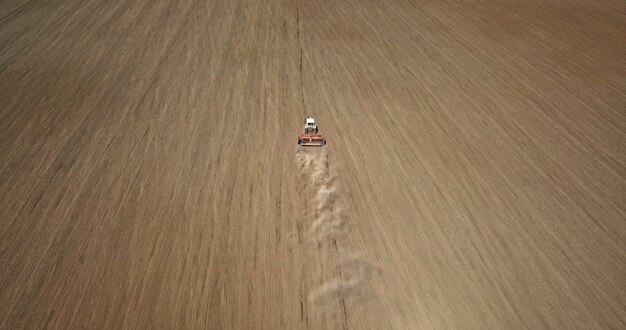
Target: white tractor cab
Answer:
pixel 310 127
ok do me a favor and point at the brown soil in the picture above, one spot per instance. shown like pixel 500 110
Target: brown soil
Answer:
pixel 474 177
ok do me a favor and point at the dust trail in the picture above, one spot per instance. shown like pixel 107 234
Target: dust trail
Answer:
pixel 324 198
pixel 336 289
pixel 356 266
pixel 329 223
pixel 329 226
pixel 354 283
pixel 314 167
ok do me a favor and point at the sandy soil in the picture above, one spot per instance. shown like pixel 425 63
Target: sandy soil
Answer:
pixel 475 175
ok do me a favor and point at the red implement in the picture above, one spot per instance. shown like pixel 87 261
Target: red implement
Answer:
pixel 311 140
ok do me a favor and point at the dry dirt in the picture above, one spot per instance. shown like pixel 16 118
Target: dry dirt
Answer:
pixel 475 175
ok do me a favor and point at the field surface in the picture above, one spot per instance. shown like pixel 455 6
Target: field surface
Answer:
pixel 474 176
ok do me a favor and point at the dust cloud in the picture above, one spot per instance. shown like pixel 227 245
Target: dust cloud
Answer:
pixel 329 226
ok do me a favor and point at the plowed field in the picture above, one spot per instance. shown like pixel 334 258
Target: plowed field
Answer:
pixel 474 176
